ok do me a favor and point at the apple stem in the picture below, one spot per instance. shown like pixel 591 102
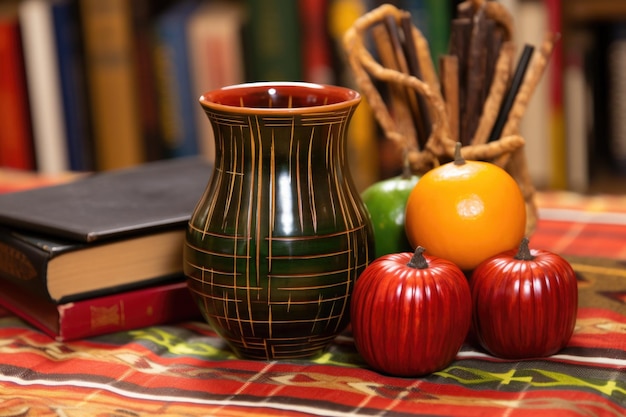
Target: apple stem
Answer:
pixel 523 253
pixel 418 261
pixel 458 159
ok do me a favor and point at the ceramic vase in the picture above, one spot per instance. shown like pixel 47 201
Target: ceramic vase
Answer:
pixel 278 239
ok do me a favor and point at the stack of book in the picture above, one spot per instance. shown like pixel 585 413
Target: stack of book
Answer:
pixel 101 253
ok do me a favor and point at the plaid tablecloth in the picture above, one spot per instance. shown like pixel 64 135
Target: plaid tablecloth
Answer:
pixel 186 370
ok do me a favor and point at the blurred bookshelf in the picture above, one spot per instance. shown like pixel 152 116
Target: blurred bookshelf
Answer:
pixel 95 85
pixel 594 34
pixel 123 77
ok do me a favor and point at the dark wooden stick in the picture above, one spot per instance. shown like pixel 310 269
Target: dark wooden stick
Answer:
pixel 403 67
pixel 449 75
pixel 476 72
pixel 518 78
pixel 460 33
pixel 495 39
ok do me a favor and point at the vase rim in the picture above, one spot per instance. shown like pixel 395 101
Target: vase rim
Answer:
pixel 306 97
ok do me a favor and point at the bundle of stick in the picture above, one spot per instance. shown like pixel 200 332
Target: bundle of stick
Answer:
pixel 477 97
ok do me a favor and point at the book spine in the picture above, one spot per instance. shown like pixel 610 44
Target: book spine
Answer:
pixel 110 69
pixel 316 43
pixel 555 81
pixel 24 264
pixel 42 74
pixel 126 311
pixel 578 108
pixel 176 99
pixel 147 306
pixel 273 40
pixel 16 148
pixel 72 84
pixel 216 58
pixel 616 61
pixel 143 14
pixel 532 24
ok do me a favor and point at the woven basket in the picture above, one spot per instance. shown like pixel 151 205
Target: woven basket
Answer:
pixel 506 152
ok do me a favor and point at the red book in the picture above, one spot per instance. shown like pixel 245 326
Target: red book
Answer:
pixel 160 304
pixel 16 147
pixel 316 42
pixel 554 74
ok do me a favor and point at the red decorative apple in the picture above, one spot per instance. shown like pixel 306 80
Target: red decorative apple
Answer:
pixel 524 303
pixel 410 313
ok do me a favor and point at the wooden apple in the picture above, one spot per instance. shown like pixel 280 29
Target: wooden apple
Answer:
pixel 524 303
pixel 410 313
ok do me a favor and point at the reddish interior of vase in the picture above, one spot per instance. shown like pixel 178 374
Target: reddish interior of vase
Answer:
pixel 279 95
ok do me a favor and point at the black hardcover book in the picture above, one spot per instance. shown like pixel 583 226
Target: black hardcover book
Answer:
pixel 111 204
pixel 104 233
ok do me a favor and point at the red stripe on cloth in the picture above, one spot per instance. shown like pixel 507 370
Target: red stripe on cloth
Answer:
pixel 580 239
pixel 581 225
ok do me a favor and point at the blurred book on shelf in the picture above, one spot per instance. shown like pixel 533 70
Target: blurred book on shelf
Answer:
pixel 112 83
pixel 215 58
pixel 16 142
pixel 531 25
pixel 143 13
pixel 73 85
pixel 578 109
pixel 44 85
pixel 616 66
pixel 175 94
pixel 272 40
pixel 316 43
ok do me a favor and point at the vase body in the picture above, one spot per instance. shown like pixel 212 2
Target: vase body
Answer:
pixel 278 239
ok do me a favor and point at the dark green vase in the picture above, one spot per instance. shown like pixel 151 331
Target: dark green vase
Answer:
pixel 280 236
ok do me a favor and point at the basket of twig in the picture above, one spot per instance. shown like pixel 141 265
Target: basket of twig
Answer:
pixel 477 97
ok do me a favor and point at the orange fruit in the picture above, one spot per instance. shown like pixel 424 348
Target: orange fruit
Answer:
pixel 465 212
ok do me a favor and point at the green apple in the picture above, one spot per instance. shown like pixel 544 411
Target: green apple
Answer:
pixel 386 202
